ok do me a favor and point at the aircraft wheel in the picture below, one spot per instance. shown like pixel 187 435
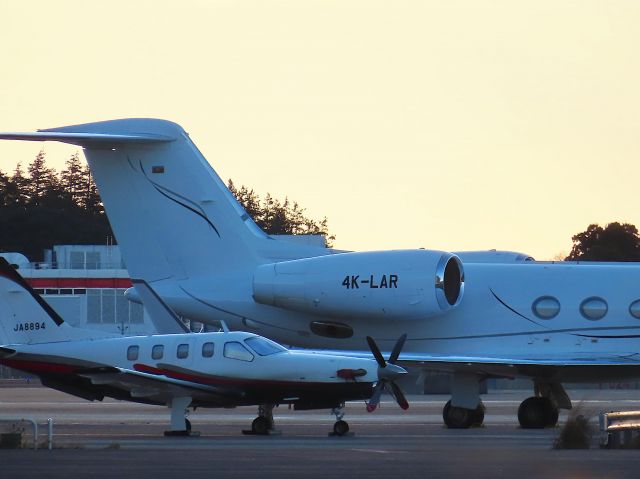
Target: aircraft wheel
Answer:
pixel 260 425
pixel 552 415
pixel 458 417
pixel 340 428
pixel 536 413
pixel 478 415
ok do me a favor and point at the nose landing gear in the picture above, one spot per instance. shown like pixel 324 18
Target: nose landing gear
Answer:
pixel 341 427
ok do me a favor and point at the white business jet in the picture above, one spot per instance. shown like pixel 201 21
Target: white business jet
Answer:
pixel 183 370
pixel 477 315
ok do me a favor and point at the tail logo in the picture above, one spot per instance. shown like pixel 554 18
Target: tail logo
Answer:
pixel 175 197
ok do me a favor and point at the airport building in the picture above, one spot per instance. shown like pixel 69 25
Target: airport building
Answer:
pixel 85 284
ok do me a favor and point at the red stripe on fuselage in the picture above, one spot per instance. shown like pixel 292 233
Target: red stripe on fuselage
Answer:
pixel 38 366
pixel 143 368
pixel 229 381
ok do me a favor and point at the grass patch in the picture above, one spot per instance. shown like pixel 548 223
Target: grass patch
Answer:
pixel 576 433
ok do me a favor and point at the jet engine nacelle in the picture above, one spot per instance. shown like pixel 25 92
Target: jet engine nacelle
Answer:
pixel 399 285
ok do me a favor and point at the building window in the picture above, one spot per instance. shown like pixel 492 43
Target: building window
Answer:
pixel 594 308
pixel 234 350
pixel 546 307
pixel 183 351
pixel 157 351
pixel 207 350
pixel 109 306
pixel 84 260
pixel 132 353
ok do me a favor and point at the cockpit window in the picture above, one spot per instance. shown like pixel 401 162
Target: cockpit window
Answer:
pixel 235 350
pixel 264 346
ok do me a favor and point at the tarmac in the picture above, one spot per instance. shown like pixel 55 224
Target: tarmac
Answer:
pixel 120 439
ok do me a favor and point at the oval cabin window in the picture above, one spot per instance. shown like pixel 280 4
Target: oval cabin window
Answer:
pixel 546 307
pixel 594 308
pixel 634 309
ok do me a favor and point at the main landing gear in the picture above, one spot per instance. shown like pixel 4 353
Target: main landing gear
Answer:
pixel 263 425
pixel 180 424
pixel 537 413
pixel 341 427
pixel 462 418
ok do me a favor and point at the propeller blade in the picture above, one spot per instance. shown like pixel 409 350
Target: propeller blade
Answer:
pixel 375 397
pixel 397 348
pixel 399 396
pixel 376 352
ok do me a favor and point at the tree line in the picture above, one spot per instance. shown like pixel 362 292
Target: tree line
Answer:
pixel 282 218
pixel 41 207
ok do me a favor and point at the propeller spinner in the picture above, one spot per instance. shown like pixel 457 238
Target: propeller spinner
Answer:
pixel 387 372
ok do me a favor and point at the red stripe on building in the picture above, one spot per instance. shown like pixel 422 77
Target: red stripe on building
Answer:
pixel 88 283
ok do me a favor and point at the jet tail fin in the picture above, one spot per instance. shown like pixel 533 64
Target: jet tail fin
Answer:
pixel 172 215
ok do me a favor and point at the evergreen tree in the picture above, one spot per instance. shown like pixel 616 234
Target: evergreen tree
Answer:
pixel 6 185
pixel 90 198
pixel 280 218
pixel 72 178
pixel 19 185
pixel 41 180
pixel 249 200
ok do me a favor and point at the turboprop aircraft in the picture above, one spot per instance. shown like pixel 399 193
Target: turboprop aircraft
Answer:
pixel 183 370
pixel 476 314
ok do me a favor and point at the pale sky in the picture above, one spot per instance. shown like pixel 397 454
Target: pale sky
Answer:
pixel 449 125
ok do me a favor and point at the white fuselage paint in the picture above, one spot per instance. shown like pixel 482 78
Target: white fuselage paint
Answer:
pixel 495 315
pixel 289 366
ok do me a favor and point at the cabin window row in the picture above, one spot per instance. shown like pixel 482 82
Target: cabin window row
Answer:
pixel 592 308
pixel 232 350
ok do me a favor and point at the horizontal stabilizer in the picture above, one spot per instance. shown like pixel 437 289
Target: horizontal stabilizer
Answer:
pixel 88 139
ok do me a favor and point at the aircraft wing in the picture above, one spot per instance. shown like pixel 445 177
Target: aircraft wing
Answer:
pixel 157 388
